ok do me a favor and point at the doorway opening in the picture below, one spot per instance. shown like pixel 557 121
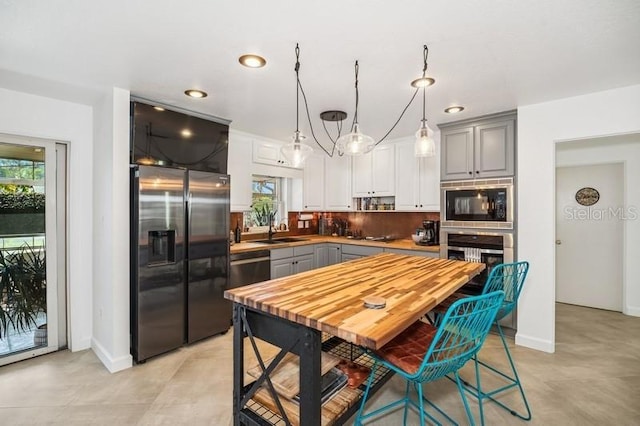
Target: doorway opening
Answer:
pixel 32 247
pixel 598 222
pixel 589 235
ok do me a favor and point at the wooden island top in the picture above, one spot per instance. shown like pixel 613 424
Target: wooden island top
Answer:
pixel 331 299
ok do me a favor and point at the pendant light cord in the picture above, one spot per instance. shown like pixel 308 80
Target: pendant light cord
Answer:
pixel 424 89
pixel 425 55
pixel 306 106
pixel 297 69
pixel 355 116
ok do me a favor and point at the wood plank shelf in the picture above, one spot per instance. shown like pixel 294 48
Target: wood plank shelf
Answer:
pixel 335 411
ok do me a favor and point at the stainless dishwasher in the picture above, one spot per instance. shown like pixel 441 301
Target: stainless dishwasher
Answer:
pixel 249 267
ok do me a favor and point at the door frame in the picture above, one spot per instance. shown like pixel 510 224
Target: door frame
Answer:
pixel 57 255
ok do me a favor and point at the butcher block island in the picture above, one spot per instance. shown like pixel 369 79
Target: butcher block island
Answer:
pixel 325 310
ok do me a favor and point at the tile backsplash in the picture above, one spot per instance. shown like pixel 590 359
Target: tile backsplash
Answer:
pixel 374 224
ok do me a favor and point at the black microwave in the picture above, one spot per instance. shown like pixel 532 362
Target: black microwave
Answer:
pixel 471 204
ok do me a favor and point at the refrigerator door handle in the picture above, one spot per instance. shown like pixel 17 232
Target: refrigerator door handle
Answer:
pixel 187 205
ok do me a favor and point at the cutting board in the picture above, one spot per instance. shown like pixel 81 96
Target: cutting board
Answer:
pixel 286 376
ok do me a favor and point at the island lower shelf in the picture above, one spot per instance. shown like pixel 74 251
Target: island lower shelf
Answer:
pixel 262 410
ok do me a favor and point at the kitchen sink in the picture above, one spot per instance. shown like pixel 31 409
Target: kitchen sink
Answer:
pixel 281 240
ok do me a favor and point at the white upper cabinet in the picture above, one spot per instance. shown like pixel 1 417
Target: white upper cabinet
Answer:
pixel 239 168
pixel 337 183
pixel 268 152
pixel 479 148
pixel 313 182
pixel 374 173
pixel 417 180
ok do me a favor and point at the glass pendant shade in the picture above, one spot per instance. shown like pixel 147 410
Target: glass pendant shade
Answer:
pixel 296 152
pixel 355 143
pixel 146 161
pixel 425 146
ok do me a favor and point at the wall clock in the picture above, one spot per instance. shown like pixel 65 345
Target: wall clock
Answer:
pixel 587 196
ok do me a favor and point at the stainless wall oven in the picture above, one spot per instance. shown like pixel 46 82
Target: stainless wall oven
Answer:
pixel 487 203
pixel 490 248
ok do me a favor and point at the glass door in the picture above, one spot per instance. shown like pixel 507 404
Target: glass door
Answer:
pixel 30 297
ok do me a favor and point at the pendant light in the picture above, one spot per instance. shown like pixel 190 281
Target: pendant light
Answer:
pixel 424 146
pixel 355 142
pixel 297 152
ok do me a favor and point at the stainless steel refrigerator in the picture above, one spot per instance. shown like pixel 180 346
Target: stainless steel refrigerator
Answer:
pixel 179 258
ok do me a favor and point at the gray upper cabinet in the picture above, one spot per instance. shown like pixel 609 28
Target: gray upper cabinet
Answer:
pixel 479 148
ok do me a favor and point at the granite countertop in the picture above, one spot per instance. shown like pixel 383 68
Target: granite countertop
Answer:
pixel 405 244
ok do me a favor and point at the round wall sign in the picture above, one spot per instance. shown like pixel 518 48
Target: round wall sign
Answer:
pixel 587 196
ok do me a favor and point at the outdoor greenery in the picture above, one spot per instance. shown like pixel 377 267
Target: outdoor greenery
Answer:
pixel 22 288
pixel 265 193
pixel 19 197
pixel 21 169
pixel 21 201
pixel 263 214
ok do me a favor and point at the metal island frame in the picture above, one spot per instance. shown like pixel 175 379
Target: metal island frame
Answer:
pixel 323 309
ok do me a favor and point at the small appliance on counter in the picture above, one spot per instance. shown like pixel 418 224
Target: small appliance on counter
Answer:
pixel 430 234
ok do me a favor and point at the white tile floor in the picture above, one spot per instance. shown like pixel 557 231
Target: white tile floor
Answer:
pixel 592 379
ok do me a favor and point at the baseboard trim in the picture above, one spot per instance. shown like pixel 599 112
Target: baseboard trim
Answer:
pixel 535 343
pixel 112 364
pixel 632 311
pixel 80 344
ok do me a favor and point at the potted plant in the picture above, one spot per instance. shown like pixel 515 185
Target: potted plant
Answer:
pixel 23 290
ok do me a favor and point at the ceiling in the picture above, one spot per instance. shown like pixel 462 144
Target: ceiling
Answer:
pixel 489 56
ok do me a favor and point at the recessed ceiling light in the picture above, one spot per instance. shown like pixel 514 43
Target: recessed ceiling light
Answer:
pixel 422 82
pixel 194 93
pixel 186 133
pixel 158 108
pixel 252 61
pixel 454 109
pixel 37 149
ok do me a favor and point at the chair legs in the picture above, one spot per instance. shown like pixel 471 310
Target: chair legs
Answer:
pixel 461 389
pixel 514 381
pixel 406 400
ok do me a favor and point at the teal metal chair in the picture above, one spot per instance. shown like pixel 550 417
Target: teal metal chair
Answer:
pixel 508 277
pixel 424 353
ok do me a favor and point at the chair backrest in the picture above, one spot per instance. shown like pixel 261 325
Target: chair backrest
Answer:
pixel 460 335
pixel 508 277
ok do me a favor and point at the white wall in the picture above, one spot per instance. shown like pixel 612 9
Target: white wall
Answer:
pixel 629 155
pixel 540 127
pixel 36 116
pixel 111 232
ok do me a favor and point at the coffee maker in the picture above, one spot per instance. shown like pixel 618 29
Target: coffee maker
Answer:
pixel 431 235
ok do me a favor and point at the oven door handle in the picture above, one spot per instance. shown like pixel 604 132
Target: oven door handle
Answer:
pixel 482 251
pixel 252 260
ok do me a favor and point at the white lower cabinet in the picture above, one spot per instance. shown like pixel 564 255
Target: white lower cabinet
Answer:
pixel 350 252
pixel 413 252
pixel 291 260
pixel 334 254
pixel 327 254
